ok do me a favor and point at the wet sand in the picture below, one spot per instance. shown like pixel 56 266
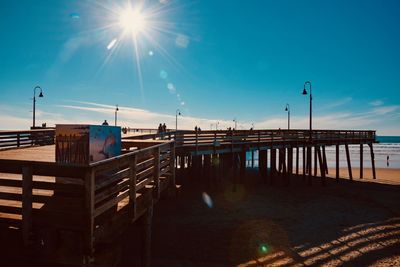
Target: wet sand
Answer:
pixel 342 224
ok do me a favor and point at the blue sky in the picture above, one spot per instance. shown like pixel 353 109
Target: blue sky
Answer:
pixel 214 60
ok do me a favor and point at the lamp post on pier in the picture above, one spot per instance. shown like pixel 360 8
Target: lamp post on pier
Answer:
pixel 287 108
pixel 116 110
pixel 34 102
pixel 305 93
pixel 235 120
pixel 178 112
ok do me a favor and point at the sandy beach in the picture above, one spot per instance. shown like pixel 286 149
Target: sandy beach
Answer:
pixel 342 224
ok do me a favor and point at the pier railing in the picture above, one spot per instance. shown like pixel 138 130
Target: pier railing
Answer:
pixel 13 139
pixel 199 140
pixel 114 191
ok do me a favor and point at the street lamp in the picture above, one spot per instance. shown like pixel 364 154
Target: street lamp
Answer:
pixel 288 118
pixel 178 112
pixel 116 110
pixel 34 102
pixel 305 93
pixel 235 120
pixel 216 126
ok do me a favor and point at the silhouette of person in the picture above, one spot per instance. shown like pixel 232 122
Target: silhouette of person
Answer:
pixel 160 128
pixel 164 128
pixel 195 128
pixel 387 161
pixel 105 122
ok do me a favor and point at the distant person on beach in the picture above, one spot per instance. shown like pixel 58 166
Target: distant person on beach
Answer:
pixel 160 128
pixel 387 161
pixel 105 123
pixel 164 128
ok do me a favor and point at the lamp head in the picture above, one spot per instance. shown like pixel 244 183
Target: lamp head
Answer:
pixel 41 93
pixel 179 113
pixel 286 109
pixel 304 91
pixel 117 109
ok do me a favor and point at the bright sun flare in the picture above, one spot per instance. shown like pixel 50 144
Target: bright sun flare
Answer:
pixel 132 21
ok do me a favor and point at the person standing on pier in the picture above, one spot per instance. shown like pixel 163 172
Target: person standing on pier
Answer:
pixel 387 161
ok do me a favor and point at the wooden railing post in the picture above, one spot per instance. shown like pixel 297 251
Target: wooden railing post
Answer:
pixel 197 142
pixel 132 185
pixel 89 208
pixel 26 204
pixel 156 173
pixel 172 165
pixel 18 140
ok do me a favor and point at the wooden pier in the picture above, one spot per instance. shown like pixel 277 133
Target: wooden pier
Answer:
pixel 43 202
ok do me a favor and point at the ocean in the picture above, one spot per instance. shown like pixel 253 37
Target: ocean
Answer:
pixel 387 146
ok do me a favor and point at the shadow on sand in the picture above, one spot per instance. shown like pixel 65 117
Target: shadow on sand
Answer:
pixel 345 224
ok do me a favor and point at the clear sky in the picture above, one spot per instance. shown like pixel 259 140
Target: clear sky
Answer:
pixel 214 60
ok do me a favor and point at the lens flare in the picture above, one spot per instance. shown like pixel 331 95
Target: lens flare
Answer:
pixel 263 248
pixel 207 199
pixel 111 44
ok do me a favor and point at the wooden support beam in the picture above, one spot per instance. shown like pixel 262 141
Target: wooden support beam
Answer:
pixel 146 239
pixel 280 166
pixel 324 160
pixel 372 160
pixel 27 204
pixel 207 169
pixel 349 162
pixel 261 163
pixel 156 173
pixel 284 169
pixel 290 160
pixel 297 160
pixel 361 161
pixel 252 158
pixel 273 165
pixel 315 162
pixel 171 166
pixel 132 185
pixel 309 164
pixel 242 163
pixel 289 164
pixel 266 163
pixel 89 208
pixel 337 163
pixel 321 166
pixel 304 163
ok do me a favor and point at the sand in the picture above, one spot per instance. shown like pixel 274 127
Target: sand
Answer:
pixel 345 224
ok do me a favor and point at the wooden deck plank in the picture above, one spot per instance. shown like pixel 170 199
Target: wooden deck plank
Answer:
pixel 36 153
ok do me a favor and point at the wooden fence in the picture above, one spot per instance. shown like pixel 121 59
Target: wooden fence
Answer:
pixel 115 191
pixel 13 139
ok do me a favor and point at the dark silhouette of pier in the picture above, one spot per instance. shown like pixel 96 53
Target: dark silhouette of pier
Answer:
pixel 47 204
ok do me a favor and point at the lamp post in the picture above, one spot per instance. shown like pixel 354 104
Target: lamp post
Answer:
pixel 287 108
pixel 116 110
pixel 178 112
pixel 235 120
pixel 216 126
pixel 305 93
pixel 34 102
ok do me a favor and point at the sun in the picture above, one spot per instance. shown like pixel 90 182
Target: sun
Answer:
pixel 132 21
